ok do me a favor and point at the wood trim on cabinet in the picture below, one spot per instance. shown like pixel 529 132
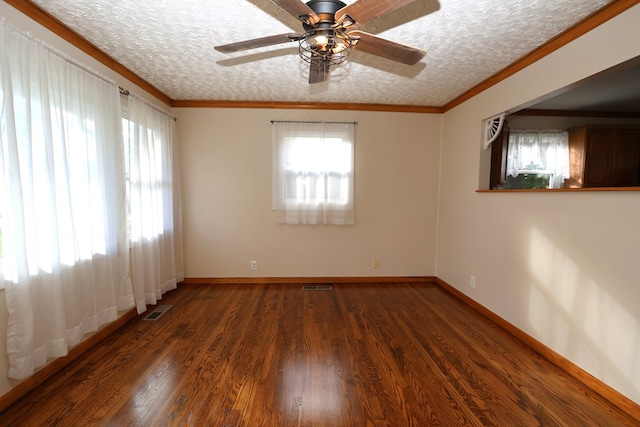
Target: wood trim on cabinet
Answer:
pixel 615 397
pixel 498 172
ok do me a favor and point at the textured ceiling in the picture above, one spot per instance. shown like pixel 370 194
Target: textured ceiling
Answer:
pixel 169 43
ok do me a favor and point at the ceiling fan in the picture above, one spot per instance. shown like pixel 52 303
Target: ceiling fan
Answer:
pixel 330 33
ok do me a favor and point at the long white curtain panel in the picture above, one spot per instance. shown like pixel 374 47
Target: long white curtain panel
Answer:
pixel 155 227
pixel 62 202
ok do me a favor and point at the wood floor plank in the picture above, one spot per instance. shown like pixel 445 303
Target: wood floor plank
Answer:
pixel 379 354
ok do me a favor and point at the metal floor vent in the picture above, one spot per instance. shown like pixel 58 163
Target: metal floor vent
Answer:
pixel 317 288
pixel 159 311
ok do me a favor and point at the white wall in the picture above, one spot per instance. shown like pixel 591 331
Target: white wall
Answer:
pixel 227 216
pixel 563 267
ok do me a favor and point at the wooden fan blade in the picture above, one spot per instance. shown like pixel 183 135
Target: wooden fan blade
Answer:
pixel 387 49
pixel 298 9
pixel 254 43
pixel 318 70
pixel 366 10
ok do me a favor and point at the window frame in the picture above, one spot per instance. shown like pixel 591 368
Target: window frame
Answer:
pixel 316 171
pixel 499 176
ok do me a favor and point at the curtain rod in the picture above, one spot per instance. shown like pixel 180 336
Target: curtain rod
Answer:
pixel 71 61
pixel 55 51
pixel 126 92
pixel 332 123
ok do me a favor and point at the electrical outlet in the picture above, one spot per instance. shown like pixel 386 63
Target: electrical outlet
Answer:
pixel 376 263
pixel 472 281
pixel 254 265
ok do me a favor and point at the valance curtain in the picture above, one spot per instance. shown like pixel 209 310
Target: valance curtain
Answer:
pixel 539 152
pixel 154 201
pixel 62 202
pixel 313 172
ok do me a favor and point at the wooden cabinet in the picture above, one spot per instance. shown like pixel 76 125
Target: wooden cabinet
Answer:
pixel 604 157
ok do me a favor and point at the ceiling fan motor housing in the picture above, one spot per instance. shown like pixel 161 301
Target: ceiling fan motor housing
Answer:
pixel 325 6
pixel 326 10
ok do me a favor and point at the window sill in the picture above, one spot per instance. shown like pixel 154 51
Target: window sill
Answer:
pixel 558 190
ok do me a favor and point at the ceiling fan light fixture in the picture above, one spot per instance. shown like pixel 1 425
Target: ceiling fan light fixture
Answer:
pixel 321 40
pixel 339 47
pixel 332 45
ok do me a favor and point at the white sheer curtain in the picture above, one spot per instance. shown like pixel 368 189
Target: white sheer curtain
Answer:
pixel 313 172
pixel 62 201
pixel 154 201
pixel 539 152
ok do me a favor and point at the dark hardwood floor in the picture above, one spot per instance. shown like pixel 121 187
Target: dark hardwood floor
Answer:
pixel 396 354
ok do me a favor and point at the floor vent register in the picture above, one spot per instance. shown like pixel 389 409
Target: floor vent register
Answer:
pixel 159 311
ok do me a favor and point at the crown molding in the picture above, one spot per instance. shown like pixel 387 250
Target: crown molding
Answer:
pixel 307 106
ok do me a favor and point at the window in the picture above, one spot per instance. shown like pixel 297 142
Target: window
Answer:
pixel 58 173
pixel 541 156
pixel 153 200
pixel 532 159
pixel 146 179
pixel 313 172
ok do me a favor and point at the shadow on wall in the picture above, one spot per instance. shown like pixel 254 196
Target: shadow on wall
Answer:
pixel 581 318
